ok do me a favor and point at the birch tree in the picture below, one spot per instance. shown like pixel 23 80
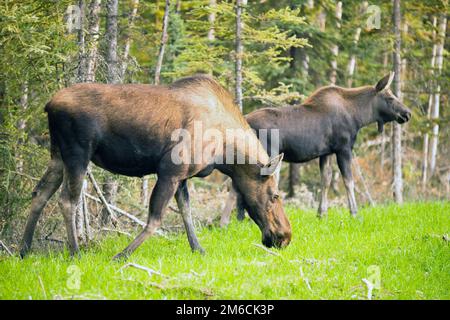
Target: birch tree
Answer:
pixel 112 76
pixel 126 50
pixel 212 20
pixel 397 129
pixel 437 93
pixel 239 51
pixel 163 43
pixel 92 42
pixel 81 69
pixel 426 136
pixel 335 47
pixel 164 37
pixel 352 62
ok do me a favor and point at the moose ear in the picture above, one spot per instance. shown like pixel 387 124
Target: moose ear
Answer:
pixel 385 83
pixel 272 166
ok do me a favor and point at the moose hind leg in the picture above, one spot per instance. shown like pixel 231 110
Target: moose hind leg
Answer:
pixel 182 198
pixel 46 187
pixel 326 175
pixel 344 160
pixel 70 195
pixel 163 191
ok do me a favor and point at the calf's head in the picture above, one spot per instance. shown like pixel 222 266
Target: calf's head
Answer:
pixel 387 107
pixel 259 190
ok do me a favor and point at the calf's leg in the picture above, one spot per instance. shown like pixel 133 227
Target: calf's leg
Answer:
pixel 182 198
pixel 229 204
pixel 46 187
pixel 163 191
pixel 344 160
pixel 326 175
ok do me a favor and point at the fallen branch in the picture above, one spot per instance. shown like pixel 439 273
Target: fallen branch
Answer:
pixel 267 250
pixel 149 271
pixel 118 231
pixel 6 248
pixel 358 172
pixel 305 279
pixel 118 210
pixel 370 287
pixel 42 287
pixel 102 198
pixel 46 238
pixel 152 284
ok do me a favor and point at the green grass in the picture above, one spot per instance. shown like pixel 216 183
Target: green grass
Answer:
pixel 331 255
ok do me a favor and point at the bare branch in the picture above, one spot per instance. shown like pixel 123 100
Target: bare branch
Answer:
pixel 267 250
pixel 146 269
pixel 6 248
pixel 102 198
pixel 118 210
pixel 117 230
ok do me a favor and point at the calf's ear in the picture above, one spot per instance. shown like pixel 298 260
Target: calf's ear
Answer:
pixel 272 166
pixel 385 83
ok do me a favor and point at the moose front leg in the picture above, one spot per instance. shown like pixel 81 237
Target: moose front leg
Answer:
pixel 344 160
pixel 163 191
pixel 326 175
pixel 182 198
pixel 240 207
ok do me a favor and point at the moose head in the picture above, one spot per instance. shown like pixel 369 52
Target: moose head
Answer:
pixel 387 106
pixel 258 191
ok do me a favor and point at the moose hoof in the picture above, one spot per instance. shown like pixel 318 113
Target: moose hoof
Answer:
pixel 199 250
pixel 120 257
pixel 321 214
pixel 23 253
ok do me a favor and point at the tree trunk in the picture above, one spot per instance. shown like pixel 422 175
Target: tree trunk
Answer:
pixel 239 52
pixel 164 37
pixel 397 129
pixel 333 79
pixel 426 136
pixel 81 70
pixel 163 43
pixel 92 43
pixel 352 62
pixel 212 20
pixel 81 77
pixel 21 123
pixel 437 93
pixel 112 75
pixel 335 47
pixel 305 57
pixel 126 50
pixel 383 134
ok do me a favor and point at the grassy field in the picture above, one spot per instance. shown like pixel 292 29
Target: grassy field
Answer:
pixel 404 247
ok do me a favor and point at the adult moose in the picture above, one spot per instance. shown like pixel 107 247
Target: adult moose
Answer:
pixel 128 129
pixel 327 123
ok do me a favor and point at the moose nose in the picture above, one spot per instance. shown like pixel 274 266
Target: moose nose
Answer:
pixel 404 116
pixel 408 115
pixel 276 240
